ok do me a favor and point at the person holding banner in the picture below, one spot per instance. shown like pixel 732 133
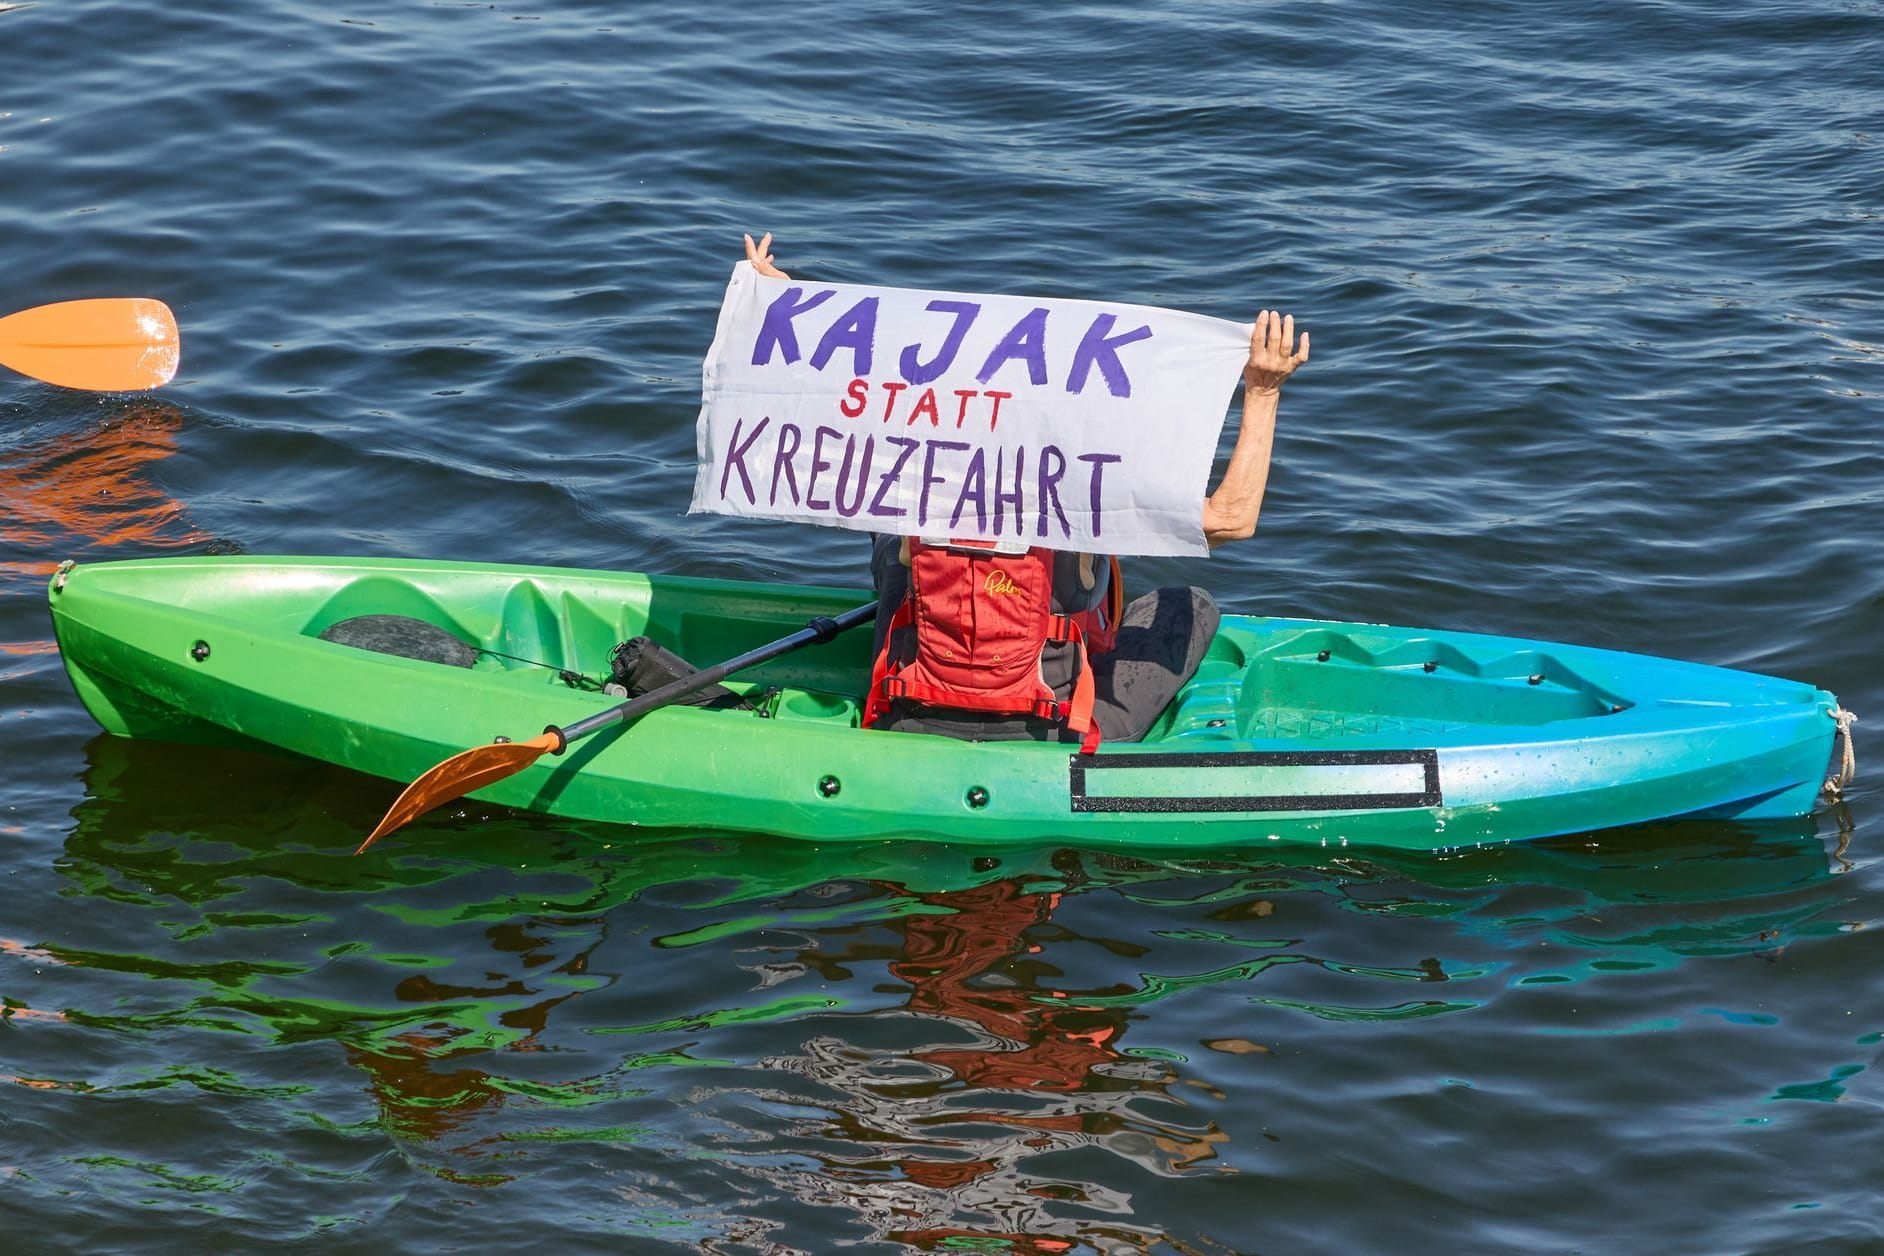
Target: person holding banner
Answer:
pixel 1105 670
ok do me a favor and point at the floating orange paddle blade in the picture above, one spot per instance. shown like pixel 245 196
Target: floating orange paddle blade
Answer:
pixel 109 344
pixel 463 772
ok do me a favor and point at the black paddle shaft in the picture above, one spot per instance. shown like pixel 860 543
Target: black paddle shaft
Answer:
pixel 821 629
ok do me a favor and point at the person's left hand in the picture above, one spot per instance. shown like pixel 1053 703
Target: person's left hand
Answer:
pixel 760 256
pixel 1273 355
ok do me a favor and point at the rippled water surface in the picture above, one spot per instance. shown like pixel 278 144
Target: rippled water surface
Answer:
pixel 1598 356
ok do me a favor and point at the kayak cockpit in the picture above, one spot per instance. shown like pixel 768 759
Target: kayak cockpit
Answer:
pixel 1260 680
pixel 1264 680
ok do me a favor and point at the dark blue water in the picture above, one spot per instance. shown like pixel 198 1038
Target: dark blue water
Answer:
pixel 1597 299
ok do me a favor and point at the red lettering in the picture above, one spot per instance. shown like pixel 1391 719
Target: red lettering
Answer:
pixel 966 394
pixel 926 405
pixel 994 415
pixel 856 400
pixel 892 387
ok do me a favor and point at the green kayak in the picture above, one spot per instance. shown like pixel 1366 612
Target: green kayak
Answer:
pixel 1292 730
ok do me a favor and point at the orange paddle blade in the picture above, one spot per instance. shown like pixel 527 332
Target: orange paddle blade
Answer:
pixel 109 344
pixel 465 771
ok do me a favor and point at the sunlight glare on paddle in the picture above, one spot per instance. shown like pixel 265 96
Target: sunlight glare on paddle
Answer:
pixel 105 344
pixel 464 772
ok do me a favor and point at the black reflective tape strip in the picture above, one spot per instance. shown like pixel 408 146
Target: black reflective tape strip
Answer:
pixel 1080 765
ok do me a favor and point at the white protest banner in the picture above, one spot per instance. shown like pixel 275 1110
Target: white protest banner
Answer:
pixel 1078 425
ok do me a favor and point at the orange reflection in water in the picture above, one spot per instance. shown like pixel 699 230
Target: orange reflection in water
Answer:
pixel 1054 1047
pixel 23 950
pixel 89 490
pixel 80 492
pixel 947 1137
pixel 422 1096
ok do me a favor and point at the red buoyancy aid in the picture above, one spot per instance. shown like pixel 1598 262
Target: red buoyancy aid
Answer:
pixel 983 615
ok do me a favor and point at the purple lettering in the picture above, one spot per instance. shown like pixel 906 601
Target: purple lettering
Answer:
pixel 1050 456
pixel 1098 462
pixel 929 478
pixel 736 458
pixel 919 372
pixel 788 439
pixel 1017 497
pixel 975 485
pixel 1098 347
pixel 1026 340
pixel 855 330
pixel 776 330
pixel 889 479
pixel 843 476
pixel 818 464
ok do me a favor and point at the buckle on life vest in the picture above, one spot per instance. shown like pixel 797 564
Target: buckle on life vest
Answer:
pixel 1005 547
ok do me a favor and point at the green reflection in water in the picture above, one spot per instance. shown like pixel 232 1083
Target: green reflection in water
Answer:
pixel 1831 1090
pixel 1225 939
pixel 444 963
pixel 564 1095
pixel 1399 1012
pixel 780 1009
pixel 227 974
pixel 892 909
pixel 1653 1025
pixel 1742 1018
pixel 1432 970
pixel 164 1176
pixel 1154 987
pixel 213 921
pixel 565 1134
pixel 214 1081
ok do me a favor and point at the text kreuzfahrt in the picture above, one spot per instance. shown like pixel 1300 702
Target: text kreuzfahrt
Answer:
pixel 1071 424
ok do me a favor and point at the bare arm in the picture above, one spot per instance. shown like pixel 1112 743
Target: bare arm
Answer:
pixel 1230 512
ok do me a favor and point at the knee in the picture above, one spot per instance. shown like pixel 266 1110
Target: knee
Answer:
pixel 1204 615
pixel 1174 606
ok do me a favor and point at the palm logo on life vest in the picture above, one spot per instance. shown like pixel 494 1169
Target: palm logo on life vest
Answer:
pixel 980 630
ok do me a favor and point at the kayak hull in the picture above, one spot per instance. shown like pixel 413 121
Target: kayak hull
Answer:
pixel 1292 730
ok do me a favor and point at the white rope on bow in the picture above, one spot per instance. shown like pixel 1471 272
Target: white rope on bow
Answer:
pixel 1848 763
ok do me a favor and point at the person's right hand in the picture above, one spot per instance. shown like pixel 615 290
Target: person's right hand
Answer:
pixel 1273 356
pixel 761 257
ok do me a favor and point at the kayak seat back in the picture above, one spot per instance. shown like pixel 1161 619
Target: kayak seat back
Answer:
pixel 385 599
pixel 404 636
